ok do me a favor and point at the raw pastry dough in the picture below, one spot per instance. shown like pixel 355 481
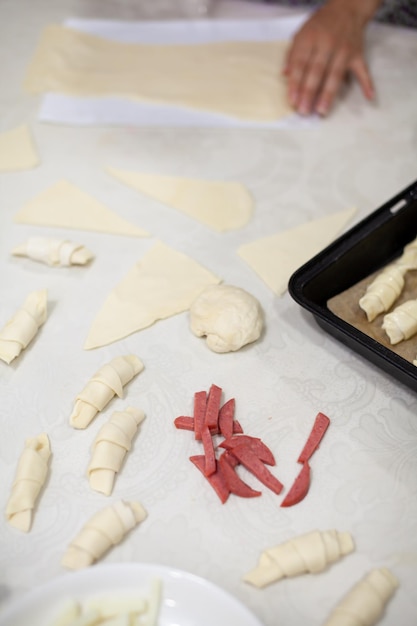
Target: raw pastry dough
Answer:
pixel 163 283
pixel 108 381
pixel 103 531
pixel 65 206
pixel 381 294
pixel 17 151
pixel 401 323
pixel 384 290
pixel 110 447
pixel 30 477
pixel 56 252
pixel 366 601
pixel 118 608
pixel 19 331
pixel 276 257
pixel 228 316
pixel 237 78
pixel 309 553
pixel 219 205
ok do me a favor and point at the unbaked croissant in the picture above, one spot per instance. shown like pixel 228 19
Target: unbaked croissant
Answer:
pixel 365 603
pixel 54 252
pixel 401 323
pixel 387 286
pixel 100 389
pixel 112 443
pixel 309 553
pixel 104 530
pixel 383 291
pixel 30 476
pixel 23 326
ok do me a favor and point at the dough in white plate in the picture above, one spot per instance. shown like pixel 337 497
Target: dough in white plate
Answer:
pixel 228 316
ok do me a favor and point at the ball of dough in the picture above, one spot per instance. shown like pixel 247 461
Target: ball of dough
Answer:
pixel 228 316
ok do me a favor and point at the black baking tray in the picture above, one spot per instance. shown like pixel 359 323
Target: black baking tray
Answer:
pixel 362 250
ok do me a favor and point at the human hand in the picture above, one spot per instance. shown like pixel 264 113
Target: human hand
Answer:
pixel 327 48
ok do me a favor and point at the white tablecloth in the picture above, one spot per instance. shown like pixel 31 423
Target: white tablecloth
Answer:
pixel 364 477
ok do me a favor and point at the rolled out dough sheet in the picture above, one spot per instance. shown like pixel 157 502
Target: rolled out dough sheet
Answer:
pixel 17 150
pixel 219 205
pixel 65 206
pixel 163 283
pixel 276 257
pixel 241 79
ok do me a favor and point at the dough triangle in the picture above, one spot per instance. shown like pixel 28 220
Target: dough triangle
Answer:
pixel 164 282
pixel 275 257
pixel 17 150
pixel 65 206
pixel 219 205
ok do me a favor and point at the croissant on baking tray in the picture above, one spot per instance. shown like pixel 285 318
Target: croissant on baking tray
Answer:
pixel 107 382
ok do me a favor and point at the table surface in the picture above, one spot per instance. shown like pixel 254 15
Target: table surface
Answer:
pixel 364 477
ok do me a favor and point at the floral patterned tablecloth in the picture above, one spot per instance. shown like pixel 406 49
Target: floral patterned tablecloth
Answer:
pixel 364 476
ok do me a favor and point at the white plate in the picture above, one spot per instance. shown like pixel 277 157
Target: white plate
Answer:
pixel 187 600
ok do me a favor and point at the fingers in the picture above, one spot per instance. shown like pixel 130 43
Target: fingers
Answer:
pixel 362 75
pixel 332 82
pixel 306 79
pixel 315 80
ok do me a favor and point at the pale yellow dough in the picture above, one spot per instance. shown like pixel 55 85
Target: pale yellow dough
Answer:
pixel 54 252
pixel 65 206
pixel 309 553
pixel 113 608
pixel 237 78
pixel 103 530
pixel 275 257
pixel 31 473
pixel 163 283
pixel 19 331
pixel 17 150
pixel 113 441
pixel 387 286
pixel 107 382
pixel 401 323
pixel 365 603
pixel 219 205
